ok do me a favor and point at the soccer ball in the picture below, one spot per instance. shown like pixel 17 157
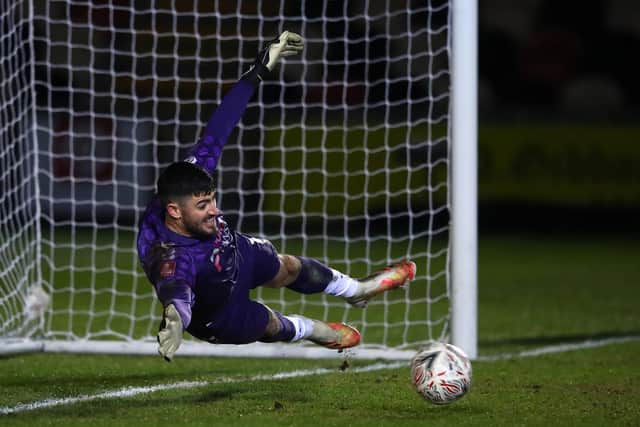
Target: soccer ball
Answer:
pixel 441 373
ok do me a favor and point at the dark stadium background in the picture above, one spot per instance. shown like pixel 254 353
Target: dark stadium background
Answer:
pixel 558 101
pixel 559 96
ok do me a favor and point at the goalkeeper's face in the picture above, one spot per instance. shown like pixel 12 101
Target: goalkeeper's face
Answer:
pixel 199 215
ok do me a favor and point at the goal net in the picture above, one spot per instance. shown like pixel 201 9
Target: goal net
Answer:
pixel 19 227
pixel 342 156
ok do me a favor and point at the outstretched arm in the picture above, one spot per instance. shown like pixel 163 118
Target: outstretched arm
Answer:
pixel 208 150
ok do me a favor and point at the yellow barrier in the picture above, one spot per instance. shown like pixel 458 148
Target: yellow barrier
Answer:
pixel 570 165
pixel 330 171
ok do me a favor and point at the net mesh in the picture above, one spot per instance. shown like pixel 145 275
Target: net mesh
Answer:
pixel 342 156
pixel 19 229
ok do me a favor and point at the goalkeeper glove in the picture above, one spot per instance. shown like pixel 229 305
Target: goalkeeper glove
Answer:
pixel 170 333
pixel 286 44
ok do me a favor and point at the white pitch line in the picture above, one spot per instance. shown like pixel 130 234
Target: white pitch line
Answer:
pixel 134 391
pixel 560 348
pixel 123 392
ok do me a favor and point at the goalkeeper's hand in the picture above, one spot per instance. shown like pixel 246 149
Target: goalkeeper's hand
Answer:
pixel 286 44
pixel 170 333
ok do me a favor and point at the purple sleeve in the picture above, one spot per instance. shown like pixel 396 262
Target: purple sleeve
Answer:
pixel 174 278
pixel 180 295
pixel 208 150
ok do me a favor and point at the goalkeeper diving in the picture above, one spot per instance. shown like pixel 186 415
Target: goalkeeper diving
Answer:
pixel 203 271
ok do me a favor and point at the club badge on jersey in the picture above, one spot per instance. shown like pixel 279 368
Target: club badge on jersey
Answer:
pixel 167 268
pixel 165 255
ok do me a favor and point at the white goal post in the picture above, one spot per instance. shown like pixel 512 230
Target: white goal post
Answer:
pixel 464 176
pixel 360 153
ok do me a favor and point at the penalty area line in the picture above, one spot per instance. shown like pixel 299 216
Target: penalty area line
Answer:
pixel 135 391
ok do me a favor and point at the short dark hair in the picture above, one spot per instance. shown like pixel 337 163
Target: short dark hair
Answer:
pixel 182 179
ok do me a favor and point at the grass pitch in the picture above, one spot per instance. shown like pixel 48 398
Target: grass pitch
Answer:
pixel 534 292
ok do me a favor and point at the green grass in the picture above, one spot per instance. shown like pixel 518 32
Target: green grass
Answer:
pixel 533 292
pixel 541 291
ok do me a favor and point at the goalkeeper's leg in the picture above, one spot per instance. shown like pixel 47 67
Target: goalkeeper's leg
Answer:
pixel 334 335
pixel 306 275
pixel 391 277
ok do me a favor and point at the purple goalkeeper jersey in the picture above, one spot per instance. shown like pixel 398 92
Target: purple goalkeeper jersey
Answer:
pixel 203 277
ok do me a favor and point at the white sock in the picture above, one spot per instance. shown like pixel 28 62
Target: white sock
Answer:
pixel 341 285
pixel 304 327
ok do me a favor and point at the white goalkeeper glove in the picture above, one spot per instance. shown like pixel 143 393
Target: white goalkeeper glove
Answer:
pixel 170 334
pixel 286 44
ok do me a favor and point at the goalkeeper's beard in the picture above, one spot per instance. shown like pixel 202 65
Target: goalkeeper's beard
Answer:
pixel 202 229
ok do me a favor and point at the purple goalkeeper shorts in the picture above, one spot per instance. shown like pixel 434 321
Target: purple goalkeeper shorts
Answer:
pixel 241 320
